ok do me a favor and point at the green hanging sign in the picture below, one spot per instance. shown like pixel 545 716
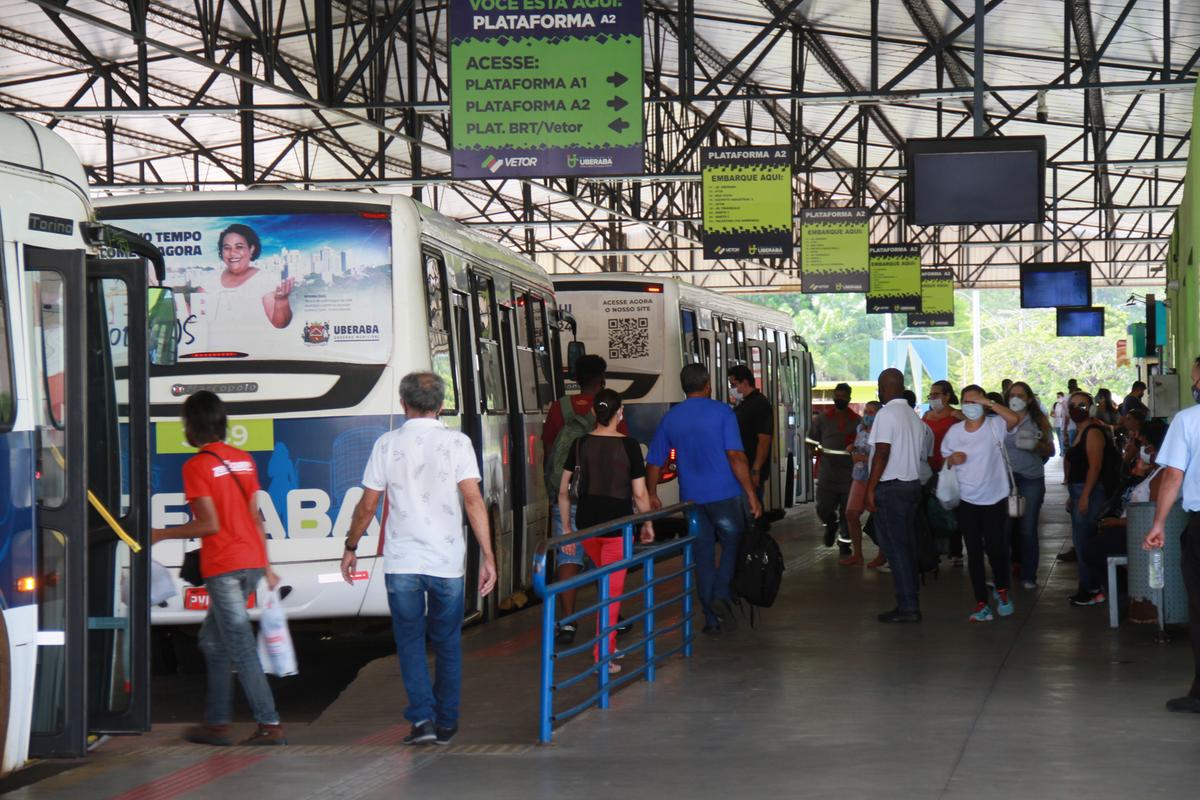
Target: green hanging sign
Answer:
pixel 747 202
pixel 937 300
pixel 834 244
pixel 895 279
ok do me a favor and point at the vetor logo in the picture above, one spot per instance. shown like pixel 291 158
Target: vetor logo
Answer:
pixel 492 164
pixel 752 249
pixel 572 161
pixel 315 333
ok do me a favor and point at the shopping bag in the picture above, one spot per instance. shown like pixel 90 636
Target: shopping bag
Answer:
pixel 947 488
pixel 162 588
pixel 275 650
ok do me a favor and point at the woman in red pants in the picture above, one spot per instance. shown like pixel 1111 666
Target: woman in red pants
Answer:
pixel 612 485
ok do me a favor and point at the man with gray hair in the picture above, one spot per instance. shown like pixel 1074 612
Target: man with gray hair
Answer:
pixel 424 467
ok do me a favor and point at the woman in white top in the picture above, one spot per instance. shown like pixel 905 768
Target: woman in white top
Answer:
pixel 242 291
pixel 975 449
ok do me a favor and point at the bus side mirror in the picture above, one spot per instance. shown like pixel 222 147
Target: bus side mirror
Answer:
pixel 574 351
pixel 161 338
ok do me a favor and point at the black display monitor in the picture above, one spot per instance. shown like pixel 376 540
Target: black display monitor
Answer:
pixel 1055 285
pixel 975 181
pixel 1081 321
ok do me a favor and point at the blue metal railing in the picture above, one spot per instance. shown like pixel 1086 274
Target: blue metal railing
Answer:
pixel 644 558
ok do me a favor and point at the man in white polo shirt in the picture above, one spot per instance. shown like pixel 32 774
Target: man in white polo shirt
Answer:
pixel 1180 458
pixel 894 491
pixel 424 467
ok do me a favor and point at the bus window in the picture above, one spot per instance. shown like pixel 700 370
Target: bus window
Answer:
pixel 527 377
pixel 756 367
pixel 687 332
pixel 47 292
pixel 8 402
pixel 741 342
pixel 491 370
pixel 541 349
pixel 441 354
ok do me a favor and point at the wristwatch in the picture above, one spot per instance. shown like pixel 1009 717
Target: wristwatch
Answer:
pixel 350 549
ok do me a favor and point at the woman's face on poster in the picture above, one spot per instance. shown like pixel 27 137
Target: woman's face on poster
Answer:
pixel 236 253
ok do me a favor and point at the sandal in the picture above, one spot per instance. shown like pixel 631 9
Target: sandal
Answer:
pixel 851 561
pixel 877 562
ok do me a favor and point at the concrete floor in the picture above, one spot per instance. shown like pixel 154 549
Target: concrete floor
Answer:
pixel 819 701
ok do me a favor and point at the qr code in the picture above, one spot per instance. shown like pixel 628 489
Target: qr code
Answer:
pixel 629 338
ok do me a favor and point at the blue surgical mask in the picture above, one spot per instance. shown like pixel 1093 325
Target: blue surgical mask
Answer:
pixel 868 419
pixel 972 411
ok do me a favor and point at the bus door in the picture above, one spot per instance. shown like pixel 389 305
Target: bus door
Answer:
pixel 803 379
pixel 514 451
pixel 93 590
pixel 760 357
pixel 470 421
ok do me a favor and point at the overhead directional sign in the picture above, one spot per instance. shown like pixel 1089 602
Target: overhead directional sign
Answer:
pixel 895 279
pixel 747 202
pixel 545 88
pixel 937 300
pixel 834 246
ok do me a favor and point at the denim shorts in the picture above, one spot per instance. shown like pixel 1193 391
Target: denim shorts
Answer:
pixel 556 529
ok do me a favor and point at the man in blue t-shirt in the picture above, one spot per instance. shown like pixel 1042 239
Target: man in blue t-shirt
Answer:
pixel 714 474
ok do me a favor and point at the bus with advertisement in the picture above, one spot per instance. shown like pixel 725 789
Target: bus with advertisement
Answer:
pixel 74 431
pixel 647 328
pixel 302 311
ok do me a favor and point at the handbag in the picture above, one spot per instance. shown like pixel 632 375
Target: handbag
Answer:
pixel 575 487
pixel 1016 503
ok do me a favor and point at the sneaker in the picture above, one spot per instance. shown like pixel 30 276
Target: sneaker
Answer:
pixel 445 734
pixel 1098 597
pixel 1004 603
pixel 215 735
pixel 623 626
pixel 566 634
pixel 1029 585
pixel 830 534
pixel 728 617
pixel 899 615
pixel 843 539
pixel 1083 599
pixel 1067 556
pixel 421 733
pixel 265 735
pixel 982 613
pixel 883 568
pixel 956 561
pixel 613 668
pixel 711 629
pixel 1187 704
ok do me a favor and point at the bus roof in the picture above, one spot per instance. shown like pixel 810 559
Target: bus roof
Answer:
pixel 32 147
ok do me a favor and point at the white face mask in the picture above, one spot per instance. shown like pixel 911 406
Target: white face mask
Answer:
pixel 734 393
pixel 936 404
pixel 972 411
pixel 1016 404
pixel 1145 454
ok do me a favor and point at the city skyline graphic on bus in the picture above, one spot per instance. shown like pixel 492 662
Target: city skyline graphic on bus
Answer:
pixel 279 286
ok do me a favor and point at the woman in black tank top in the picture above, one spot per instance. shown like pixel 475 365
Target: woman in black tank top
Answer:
pixel 612 485
pixel 1085 459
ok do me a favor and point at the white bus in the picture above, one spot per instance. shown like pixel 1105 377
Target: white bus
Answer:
pixel 74 431
pixel 647 328
pixel 347 293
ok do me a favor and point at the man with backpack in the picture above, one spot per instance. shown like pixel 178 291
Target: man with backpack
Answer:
pixel 569 420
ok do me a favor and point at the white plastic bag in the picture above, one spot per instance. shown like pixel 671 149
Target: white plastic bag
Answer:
pixel 162 586
pixel 947 488
pixel 275 650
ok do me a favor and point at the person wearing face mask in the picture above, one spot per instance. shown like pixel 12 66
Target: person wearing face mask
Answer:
pixel 1029 445
pixel 940 417
pixel 1059 413
pixel 1110 539
pixel 613 485
pixel 1085 462
pixel 755 419
pixel 860 454
pixel 974 448
pixel 834 431
pixel 1106 410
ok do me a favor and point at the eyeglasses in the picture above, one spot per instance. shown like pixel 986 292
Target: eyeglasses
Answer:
pixel 1080 405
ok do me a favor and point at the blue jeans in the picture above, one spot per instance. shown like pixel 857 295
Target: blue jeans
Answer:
pixel 1083 527
pixel 896 504
pixel 723 521
pixel 424 606
pixel 1034 492
pixel 228 643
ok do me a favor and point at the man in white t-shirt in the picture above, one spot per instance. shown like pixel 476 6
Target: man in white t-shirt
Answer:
pixel 894 491
pixel 424 467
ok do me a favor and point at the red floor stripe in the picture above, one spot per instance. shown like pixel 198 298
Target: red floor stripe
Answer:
pixel 184 780
pixel 391 735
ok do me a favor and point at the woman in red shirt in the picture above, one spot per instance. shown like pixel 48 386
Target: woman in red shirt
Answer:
pixel 220 483
pixel 940 417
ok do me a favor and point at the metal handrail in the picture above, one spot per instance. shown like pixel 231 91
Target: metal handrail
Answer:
pixel 644 558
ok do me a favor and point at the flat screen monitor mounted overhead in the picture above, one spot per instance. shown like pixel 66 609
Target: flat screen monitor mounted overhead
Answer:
pixel 1081 321
pixel 991 181
pixel 1055 285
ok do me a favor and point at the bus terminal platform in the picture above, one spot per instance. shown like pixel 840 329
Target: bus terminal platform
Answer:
pixel 819 700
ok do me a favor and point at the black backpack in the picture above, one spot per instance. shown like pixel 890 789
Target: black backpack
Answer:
pixel 759 569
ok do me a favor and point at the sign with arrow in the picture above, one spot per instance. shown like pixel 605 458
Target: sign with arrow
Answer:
pixel 545 88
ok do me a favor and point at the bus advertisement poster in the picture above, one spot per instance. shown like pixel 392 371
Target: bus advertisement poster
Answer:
pixel 747 194
pixel 895 279
pixel 540 93
pixel 937 300
pixel 834 250
pixel 292 287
